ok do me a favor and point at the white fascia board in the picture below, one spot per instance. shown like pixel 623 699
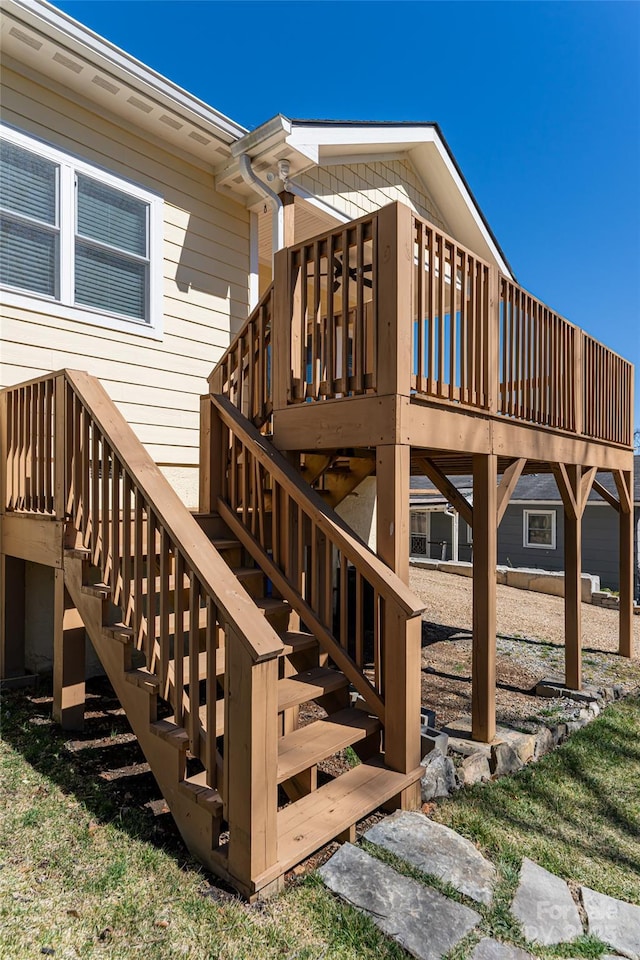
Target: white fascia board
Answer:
pixel 50 21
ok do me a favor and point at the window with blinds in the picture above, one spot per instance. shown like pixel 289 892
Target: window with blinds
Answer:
pixel 29 212
pixel 74 234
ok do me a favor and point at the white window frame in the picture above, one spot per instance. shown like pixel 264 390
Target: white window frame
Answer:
pixel 63 305
pixel 525 529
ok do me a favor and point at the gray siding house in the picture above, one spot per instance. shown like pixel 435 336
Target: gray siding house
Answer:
pixel 532 530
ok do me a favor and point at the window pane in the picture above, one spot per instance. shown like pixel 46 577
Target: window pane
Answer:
pixel 111 217
pixel 540 528
pixel 27 183
pixel 109 282
pixel 28 257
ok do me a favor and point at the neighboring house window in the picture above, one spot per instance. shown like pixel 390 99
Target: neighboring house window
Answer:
pixel 540 529
pixel 76 235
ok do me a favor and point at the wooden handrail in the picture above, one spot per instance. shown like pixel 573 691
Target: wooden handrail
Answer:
pixel 244 371
pixel 260 640
pixel 327 520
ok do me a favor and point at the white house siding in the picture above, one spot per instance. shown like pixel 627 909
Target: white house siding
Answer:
pixel 360 188
pixel 156 384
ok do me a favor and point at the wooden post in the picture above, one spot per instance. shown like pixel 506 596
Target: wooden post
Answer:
pixel 281 331
pixel 485 536
pixel 68 659
pixel 626 519
pixel 573 584
pixel 205 504
pixel 393 468
pixel 395 300
pixel 492 385
pixel 289 212
pixel 578 398
pixel 12 617
pixel 402 639
pixel 251 762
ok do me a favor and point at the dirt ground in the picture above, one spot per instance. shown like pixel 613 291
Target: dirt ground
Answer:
pixel 530 646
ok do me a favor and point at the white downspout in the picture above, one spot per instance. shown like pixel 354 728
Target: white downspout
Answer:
pixel 250 177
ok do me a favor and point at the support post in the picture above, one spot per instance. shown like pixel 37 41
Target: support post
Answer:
pixel 69 643
pixel 12 617
pixel 289 217
pixel 393 468
pixel 485 536
pixel 573 585
pixel 251 762
pixel 625 517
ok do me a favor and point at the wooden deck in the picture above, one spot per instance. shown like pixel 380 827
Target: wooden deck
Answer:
pixel 381 347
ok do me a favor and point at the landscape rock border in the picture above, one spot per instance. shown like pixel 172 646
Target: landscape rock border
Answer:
pixel 462 762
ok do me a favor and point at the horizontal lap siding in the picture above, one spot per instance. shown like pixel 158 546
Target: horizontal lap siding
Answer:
pixel 156 384
pixel 360 188
pixel 599 542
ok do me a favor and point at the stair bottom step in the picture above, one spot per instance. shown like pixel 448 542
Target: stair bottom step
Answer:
pixel 318 818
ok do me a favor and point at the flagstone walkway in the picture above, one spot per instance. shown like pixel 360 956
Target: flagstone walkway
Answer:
pixel 429 924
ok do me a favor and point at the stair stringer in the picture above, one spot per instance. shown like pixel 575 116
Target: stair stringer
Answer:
pixel 198 827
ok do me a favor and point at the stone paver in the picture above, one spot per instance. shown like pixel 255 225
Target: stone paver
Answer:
pixel 438 850
pixel 489 949
pixel 613 921
pixel 545 907
pixel 421 920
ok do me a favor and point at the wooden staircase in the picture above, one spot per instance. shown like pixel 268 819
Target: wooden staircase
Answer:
pixel 237 640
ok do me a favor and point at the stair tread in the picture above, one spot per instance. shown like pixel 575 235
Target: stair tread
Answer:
pixel 225 543
pixel 141 675
pixel 303 748
pixel 168 728
pixel 316 819
pixel 296 641
pixel 309 685
pixel 197 788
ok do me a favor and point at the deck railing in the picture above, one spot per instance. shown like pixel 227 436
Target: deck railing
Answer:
pixel 69 452
pixel 362 614
pixel 391 304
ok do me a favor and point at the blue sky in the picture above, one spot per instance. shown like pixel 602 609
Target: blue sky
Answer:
pixel 540 103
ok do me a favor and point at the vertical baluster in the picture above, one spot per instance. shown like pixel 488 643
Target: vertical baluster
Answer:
pixel 315 318
pixel 164 592
pixel 464 345
pixel 442 296
pixel 103 547
pixel 10 451
pixel 359 638
pixel 33 430
pixel 48 443
pixel 95 492
pixel 378 672
pixel 86 476
pixel 263 378
pixel 331 374
pixel 481 321
pixel 251 403
pixel 417 360
pixel 344 601
pixel 260 483
pixel 453 338
pixel 210 756
pixel 150 649
pixel 194 660
pixel 138 567
pixel 314 568
pixel 304 294
pixel 347 342
pixel 24 440
pixel 114 529
pixel 474 387
pixel 178 637
pixel 358 320
pixel 300 553
pixel 126 547
pixel 40 428
pixel 327 615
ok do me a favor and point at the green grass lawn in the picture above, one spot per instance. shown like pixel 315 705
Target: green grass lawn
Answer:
pixel 90 873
